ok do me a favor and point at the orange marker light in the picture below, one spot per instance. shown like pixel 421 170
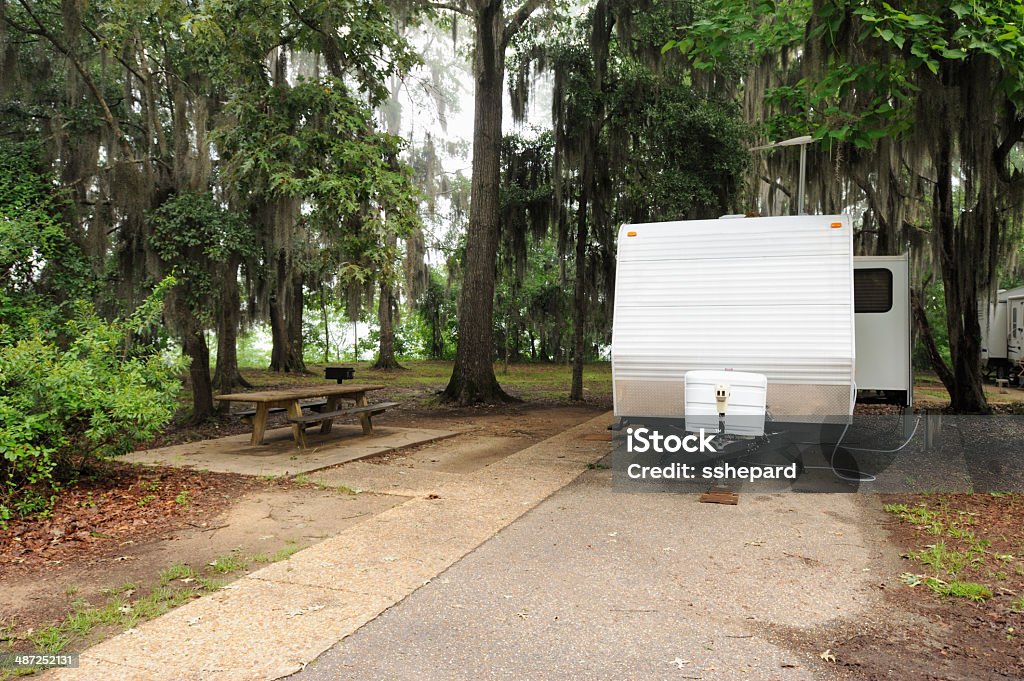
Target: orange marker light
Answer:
pixel 836 225
pixel 630 233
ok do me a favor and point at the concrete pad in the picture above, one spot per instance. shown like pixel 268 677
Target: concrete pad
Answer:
pixel 597 584
pixel 467 453
pixel 393 478
pixel 340 584
pixel 279 456
pixel 272 627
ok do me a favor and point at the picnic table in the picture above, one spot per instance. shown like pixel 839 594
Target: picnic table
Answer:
pixel 290 399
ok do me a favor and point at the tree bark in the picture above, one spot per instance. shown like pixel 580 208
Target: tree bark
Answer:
pixel 957 262
pixel 286 321
pixel 294 312
pixel 473 378
pixel 194 345
pixel 226 374
pixel 386 319
pixel 579 302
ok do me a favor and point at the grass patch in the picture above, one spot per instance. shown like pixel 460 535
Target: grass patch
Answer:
pixel 972 591
pixel 950 561
pixel 919 515
pixel 176 571
pixel 529 380
pixel 285 553
pixel 973 542
pixel 228 563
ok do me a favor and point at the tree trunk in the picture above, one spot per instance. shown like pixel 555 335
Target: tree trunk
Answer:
pixel 386 319
pixel 226 375
pixel 957 263
pixel 286 322
pixel 580 296
pixel 473 378
pixel 436 336
pixel 296 359
pixel 924 331
pixel 194 345
pixel 327 325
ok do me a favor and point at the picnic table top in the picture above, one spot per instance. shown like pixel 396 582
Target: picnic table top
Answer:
pixel 300 392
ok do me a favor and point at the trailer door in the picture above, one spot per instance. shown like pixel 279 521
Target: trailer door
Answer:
pixel 1015 337
pixel 881 290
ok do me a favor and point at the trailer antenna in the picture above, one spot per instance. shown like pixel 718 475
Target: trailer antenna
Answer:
pixel 803 141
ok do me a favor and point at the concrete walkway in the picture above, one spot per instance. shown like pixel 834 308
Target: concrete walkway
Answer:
pixel 279 456
pixel 594 584
pixel 272 622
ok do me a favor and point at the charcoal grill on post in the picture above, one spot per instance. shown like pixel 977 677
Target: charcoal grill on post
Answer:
pixel 340 374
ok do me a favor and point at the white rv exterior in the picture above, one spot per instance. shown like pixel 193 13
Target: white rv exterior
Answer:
pixel 767 295
pixel 1002 329
pixel 780 296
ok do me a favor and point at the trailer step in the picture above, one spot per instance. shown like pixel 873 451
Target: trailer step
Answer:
pixel 597 437
pixel 720 495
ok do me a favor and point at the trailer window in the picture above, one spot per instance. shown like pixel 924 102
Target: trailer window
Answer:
pixel 872 290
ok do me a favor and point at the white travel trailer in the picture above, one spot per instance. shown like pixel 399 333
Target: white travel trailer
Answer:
pixel 778 296
pixel 1002 333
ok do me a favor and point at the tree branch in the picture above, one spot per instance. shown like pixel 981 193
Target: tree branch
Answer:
pixel 517 20
pixel 1002 152
pixel 101 40
pixel 448 6
pixel 108 116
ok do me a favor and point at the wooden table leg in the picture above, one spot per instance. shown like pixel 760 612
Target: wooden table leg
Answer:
pixel 332 405
pixel 364 418
pixel 259 423
pixel 298 429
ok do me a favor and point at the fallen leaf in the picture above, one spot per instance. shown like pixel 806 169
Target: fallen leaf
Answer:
pixel 827 656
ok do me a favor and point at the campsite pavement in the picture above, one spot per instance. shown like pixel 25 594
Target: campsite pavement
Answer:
pixel 456 582
pixel 594 584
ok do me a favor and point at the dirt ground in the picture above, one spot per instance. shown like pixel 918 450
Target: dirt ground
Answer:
pixel 955 539
pixel 132 533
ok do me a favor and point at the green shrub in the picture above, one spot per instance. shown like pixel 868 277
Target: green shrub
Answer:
pixel 93 394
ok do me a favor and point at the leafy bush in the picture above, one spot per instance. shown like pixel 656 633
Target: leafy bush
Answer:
pixel 40 267
pixel 92 396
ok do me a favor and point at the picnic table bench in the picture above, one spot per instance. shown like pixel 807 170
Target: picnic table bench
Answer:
pixel 290 399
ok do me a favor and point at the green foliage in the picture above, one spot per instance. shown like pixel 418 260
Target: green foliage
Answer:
pixel 935 310
pixel 196 237
pixel 727 33
pixel 690 154
pixel 316 143
pixel 91 396
pixel 435 312
pixel 39 266
pixel 858 100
